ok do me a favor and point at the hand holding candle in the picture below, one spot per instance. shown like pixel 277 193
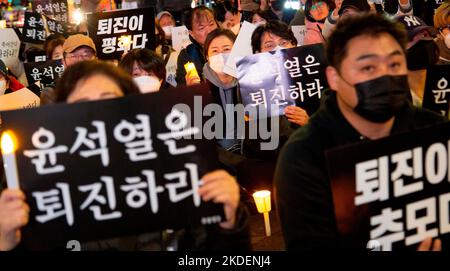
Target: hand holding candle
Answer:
pixel 8 147
pixel 192 76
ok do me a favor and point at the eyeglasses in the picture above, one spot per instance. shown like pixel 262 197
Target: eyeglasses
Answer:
pixel 80 56
pixel 268 46
pixel 317 5
pixel 444 27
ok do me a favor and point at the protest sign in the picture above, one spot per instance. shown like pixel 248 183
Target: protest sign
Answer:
pixel 9 47
pixel 45 72
pixel 437 90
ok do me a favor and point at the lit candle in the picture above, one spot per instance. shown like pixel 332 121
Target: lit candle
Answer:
pixel 9 160
pixel 190 69
pixel 263 204
pixel 126 42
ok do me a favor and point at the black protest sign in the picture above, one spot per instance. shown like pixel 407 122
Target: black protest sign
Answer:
pixel 132 167
pixel 437 89
pixel 393 193
pixel 56 27
pixel 116 32
pixel 36 56
pixel 45 72
pixel 35 28
pixel 284 77
pixel 55 9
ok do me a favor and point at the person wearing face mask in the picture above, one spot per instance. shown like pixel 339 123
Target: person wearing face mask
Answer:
pixel 4 79
pixel 94 80
pixel 227 16
pixel 224 87
pixel 53 46
pixel 8 82
pixel 167 22
pixel 147 69
pixel 367 74
pixel 422 53
pixel 442 24
pixel 316 11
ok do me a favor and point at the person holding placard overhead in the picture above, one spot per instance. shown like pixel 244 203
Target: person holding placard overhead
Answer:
pixel 95 80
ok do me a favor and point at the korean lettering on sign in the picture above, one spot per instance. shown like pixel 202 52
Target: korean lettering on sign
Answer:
pixel 98 168
pixel 117 32
pixel 55 9
pixel 290 77
pixel 406 189
pixel 45 72
pixel 437 90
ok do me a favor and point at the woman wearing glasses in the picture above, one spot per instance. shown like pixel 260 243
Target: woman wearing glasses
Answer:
pixel 442 24
pixel 316 11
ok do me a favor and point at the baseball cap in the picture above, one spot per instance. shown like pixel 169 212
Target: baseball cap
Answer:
pixel 162 13
pixel 360 5
pixel 75 41
pixel 414 25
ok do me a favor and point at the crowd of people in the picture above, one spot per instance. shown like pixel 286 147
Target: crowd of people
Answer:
pixel 372 51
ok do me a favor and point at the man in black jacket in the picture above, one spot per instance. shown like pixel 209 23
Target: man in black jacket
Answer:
pixel 200 21
pixel 368 76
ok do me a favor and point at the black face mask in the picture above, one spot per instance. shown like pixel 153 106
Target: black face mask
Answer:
pixel 422 55
pixel 277 5
pixel 382 98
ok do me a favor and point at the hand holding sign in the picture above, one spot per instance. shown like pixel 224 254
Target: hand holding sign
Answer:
pixel 430 244
pixel 221 187
pixel 296 115
pixel 14 214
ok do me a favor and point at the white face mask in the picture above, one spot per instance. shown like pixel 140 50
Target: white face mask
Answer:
pixel 147 84
pixel 447 40
pixel 168 30
pixel 235 29
pixel 2 86
pixel 217 62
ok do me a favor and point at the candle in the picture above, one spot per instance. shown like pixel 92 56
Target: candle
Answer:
pixel 190 69
pixel 9 160
pixel 263 204
pixel 126 42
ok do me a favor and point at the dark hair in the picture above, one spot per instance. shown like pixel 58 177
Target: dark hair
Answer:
pixel 86 69
pixel 221 9
pixel 309 4
pixel 217 33
pixel 51 42
pixel 194 13
pixel 160 38
pixel 275 27
pixel 366 23
pixel 147 59
pixel 265 14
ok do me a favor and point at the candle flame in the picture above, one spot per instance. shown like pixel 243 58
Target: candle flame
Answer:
pixel 126 40
pixel 262 201
pixel 7 143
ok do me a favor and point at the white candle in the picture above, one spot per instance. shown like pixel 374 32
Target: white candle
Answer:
pixel 9 161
